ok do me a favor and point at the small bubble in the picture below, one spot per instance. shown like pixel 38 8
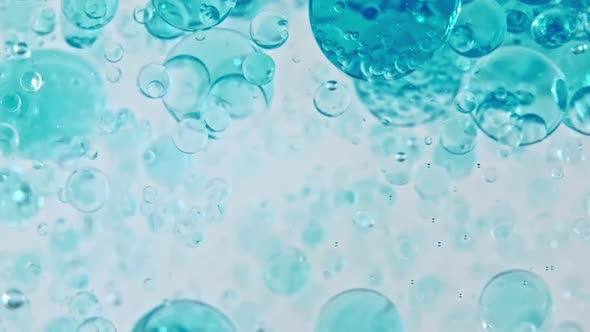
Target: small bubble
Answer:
pixel 258 68
pixel 114 74
pixel 332 99
pixel 13 299
pixel 153 81
pixel 363 221
pixel 114 52
pixel 191 136
pixel 31 81
pixel 142 15
pixel 42 229
pixel 269 30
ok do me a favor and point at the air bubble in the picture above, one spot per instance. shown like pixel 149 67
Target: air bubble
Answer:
pixel 87 189
pixel 13 299
pixel 258 68
pixel 458 135
pixel 153 81
pixel 191 136
pixel 114 52
pixel 189 15
pixel 31 81
pixel 287 271
pixel 332 99
pixel 269 29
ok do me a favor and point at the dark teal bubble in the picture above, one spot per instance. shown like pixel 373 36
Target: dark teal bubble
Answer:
pixel 514 300
pixel 67 106
pixel 517 21
pixel 184 315
pixel 359 310
pixel 555 27
pixel 381 40
pixel 193 15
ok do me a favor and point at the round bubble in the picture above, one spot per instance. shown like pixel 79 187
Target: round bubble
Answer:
pixel 153 81
pixel 381 40
pixel 191 135
pixel 578 114
pixel 287 271
pixel 61 324
pixel 269 29
pixel 68 100
pixel 193 15
pixel 480 28
pixel 223 52
pixel 420 97
pixel 164 163
pixel 189 84
pixel 90 14
pixel 248 8
pixel 258 68
pixel 574 60
pixel 13 299
pixel 555 27
pixel 359 310
pixel 87 189
pixel 521 95
pixel 332 99
pixel 184 315
pixel 44 21
pixel 18 199
pixel 8 139
pixel 96 324
pixel 535 2
pixel 158 28
pixel 517 21
pixel 458 135
pixel 568 327
pixel 515 299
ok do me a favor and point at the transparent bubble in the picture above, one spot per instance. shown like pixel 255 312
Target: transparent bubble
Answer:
pixel 159 28
pixel 517 21
pixel 84 305
pixel 61 324
pixel 13 299
pixel 184 315
pixel 381 40
pixel 10 102
pixel 332 99
pixel 153 81
pixel 143 14
pixel 90 14
pixel 114 74
pixel 191 15
pixel 31 81
pixel 363 221
pixel 269 29
pixel 432 182
pixel 87 189
pixel 44 21
pixel 578 114
pixel 458 135
pixel 522 96
pixel 215 115
pixel 535 2
pixel 114 52
pixel 359 310
pixel 480 28
pixel 9 139
pixel 258 68
pixel 513 299
pixel 239 97
pixel 287 271
pixel 96 324
pixel 18 200
pixel 164 163
pixel 568 327
pixel 555 27
pixel 466 102
pixel 191 136
pixel 189 84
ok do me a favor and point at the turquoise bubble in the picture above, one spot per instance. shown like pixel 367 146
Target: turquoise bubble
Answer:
pixel 9 139
pixel 535 2
pixel 90 14
pixel 96 324
pixel 61 99
pixel 158 28
pixel 287 271
pixel 578 114
pixel 153 81
pixel 193 15
pixel 269 29
pixel 84 305
pixel 381 40
pixel 247 8
pixel 164 163
pixel 87 189
pixel 480 28
pixel 13 299
pixel 184 315
pixel 44 21
pixel 517 21
pixel 573 59
pixel 18 199
pixel 555 27
pixel 191 136
pixel 432 182
pixel 258 69
pixel 521 94
pixel 457 165
pixel 359 310
pixel 515 299
pixel 426 291
pixel 223 52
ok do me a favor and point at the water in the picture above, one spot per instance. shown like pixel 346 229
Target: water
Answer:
pixel 332 99
pixel 193 15
pixel 458 135
pixel 269 29
pixel 191 136
pixel 184 315
pixel 555 27
pixel 513 299
pixel 374 41
pixel 189 85
pixel 359 310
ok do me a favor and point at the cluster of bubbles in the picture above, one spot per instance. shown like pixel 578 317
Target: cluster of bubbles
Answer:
pixel 512 70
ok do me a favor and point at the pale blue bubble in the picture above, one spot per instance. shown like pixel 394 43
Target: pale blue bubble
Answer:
pixel 269 29
pixel 287 271
pixel 191 15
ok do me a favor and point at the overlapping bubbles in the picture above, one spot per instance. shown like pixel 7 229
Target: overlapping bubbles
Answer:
pixel 83 159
